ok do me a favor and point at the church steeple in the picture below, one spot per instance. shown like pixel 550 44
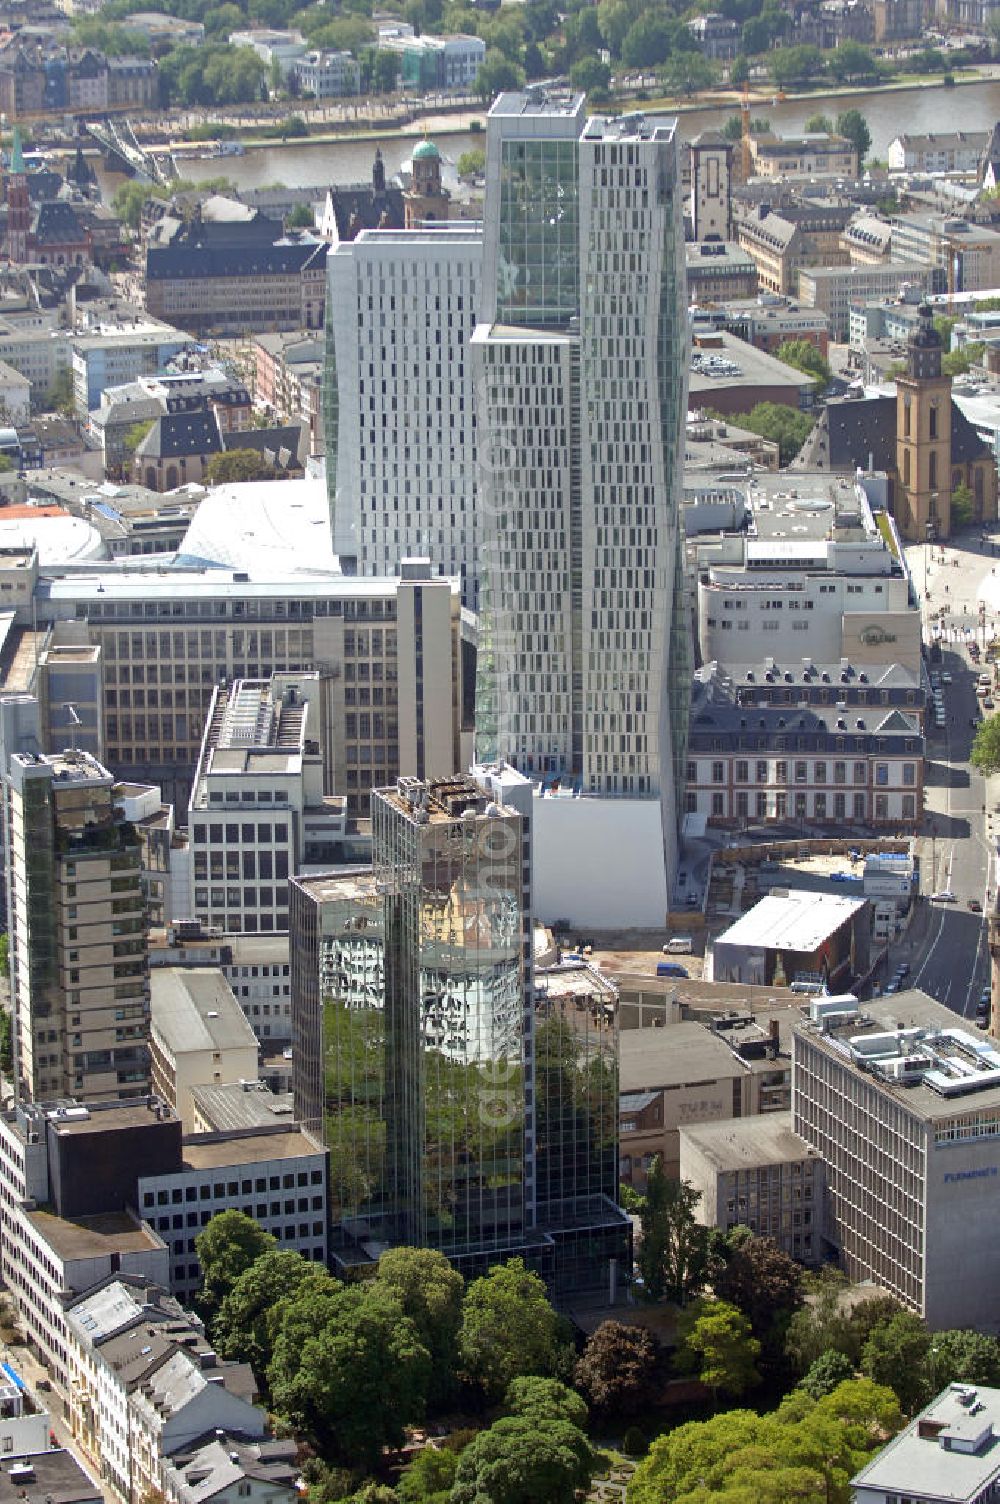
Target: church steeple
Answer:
pixel 18 204
pixel 923 436
pixel 923 348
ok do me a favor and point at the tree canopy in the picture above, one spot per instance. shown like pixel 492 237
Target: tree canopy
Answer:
pixel 805 1450
pixel 522 1461
pixel 348 1369
pixel 430 1292
pixel 227 1247
pixel 760 1280
pixel 509 1329
pixel 853 125
pixel 718 1345
pixel 243 1326
pixel 784 426
pixel 985 754
pixel 673 1251
pixel 804 356
pixel 238 465
pixel 618 1368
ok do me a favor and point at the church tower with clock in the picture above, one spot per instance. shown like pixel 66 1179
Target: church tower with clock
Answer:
pixel 923 437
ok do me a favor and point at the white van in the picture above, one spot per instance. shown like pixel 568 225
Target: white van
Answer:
pixel 680 945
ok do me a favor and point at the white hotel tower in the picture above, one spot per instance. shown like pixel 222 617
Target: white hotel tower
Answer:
pixel 580 371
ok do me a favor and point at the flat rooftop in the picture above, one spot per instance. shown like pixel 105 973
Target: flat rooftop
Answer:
pixel 204 1152
pixel 234 1107
pixel 341 886
pixel 561 103
pixel 53 1477
pixel 68 767
pixel 723 361
pixel 76 1120
pixel 94 1237
pixel 919 1052
pixel 950 1452
pixel 796 921
pixel 677 1055
pixel 193 1009
pixel 436 800
pixel 749 1143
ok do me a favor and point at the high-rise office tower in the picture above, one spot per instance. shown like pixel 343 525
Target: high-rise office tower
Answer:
pixel 580 368
pixel 79 958
pixel 462 1109
pixel 400 420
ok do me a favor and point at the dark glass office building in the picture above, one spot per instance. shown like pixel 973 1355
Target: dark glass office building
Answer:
pixel 466 1107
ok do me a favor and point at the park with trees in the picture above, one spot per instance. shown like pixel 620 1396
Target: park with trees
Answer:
pixel 738 1375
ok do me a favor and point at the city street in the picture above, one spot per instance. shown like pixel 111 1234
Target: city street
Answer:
pixel 946 944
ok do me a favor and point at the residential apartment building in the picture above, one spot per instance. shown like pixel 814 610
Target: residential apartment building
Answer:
pixel 272 46
pixel 812 764
pixel 168 640
pixel 120 1333
pixel 757 1173
pixel 230 1469
pixel 580 339
pixel 326 75
pixel 786 242
pixel 948 151
pixel 814 154
pixel 902 1103
pixel 32 343
pixel 133 83
pixel 834 290
pixel 716 35
pixel 402 453
pixel 79 970
pixel 449 1003
pixel 80 1164
pixel 898 20
pixel 868 240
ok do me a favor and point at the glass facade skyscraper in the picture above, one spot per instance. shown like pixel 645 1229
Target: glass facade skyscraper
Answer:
pixel 580 361
pixel 465 1107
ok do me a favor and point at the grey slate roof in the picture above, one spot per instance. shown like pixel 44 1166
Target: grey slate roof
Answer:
pixel 357 209
pixel 180 435
pixel 56 223
pixel 854 431
pixel 193 262
pixel 278 445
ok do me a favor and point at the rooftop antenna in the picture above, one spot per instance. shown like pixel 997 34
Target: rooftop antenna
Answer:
pixel 74 721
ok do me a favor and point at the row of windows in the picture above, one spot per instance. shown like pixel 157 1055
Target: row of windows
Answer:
pixel 221 1190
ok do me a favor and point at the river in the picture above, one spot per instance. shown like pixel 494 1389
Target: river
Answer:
pixel 919 110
